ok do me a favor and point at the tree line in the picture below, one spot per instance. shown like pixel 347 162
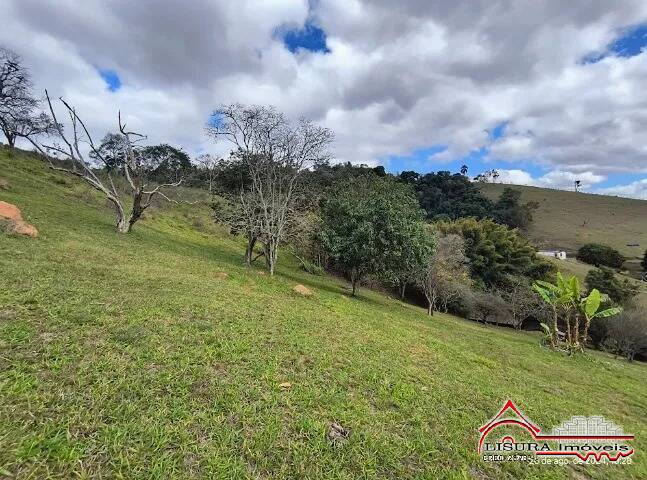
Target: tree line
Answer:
pixel 433 236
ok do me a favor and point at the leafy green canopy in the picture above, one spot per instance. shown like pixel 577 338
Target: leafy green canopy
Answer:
pixel 373 224
pixel 496 251
pixel 604 279
pixel 598 254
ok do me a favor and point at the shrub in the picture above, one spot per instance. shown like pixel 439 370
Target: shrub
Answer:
pixel 597 254
pixel 605 280
pixel 627 334
pixel 489 307
pixel 312 268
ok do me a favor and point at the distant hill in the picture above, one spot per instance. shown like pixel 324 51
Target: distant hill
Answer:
pixel 567 220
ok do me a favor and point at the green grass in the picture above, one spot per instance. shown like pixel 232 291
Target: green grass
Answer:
pixel 129 357
pixel 568 220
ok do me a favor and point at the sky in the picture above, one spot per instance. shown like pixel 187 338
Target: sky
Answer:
pixel 546 92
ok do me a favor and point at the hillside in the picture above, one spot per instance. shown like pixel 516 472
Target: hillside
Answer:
pixel 158 355
pixel 567 220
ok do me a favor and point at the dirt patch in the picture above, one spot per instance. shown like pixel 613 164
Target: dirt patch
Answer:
pixel 12 222
pixel 337 433
pixel 20 227
pixel 302 290
pixel 222 275
pixel 9 211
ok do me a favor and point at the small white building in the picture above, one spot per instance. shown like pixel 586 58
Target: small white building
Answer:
pixel 558 254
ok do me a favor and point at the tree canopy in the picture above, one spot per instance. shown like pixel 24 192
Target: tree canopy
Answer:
pixel 369 225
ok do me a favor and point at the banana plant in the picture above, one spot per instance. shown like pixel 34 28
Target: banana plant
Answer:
pixel 590 309
pixel 566 296
pixel 558 296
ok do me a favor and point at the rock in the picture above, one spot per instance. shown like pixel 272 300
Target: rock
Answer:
pixel 302 290
pixel 4 184
pixel 21 227
pixel 285 385
pixel 9 211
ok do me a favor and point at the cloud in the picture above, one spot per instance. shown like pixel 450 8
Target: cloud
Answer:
pixel 397 78
pixel 554 179
pixel 637 189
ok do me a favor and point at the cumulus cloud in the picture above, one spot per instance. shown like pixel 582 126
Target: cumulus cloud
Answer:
pixel 637 189
pixel 554 179
pixel 397 77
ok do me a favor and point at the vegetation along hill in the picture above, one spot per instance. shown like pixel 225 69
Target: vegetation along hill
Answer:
pixel 158 354
pixel 567 220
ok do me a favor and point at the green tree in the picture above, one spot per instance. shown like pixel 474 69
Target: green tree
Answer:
pixel 494 250
pixel 509 210
pixel 604 279
pixel 598 254
pixel 369 223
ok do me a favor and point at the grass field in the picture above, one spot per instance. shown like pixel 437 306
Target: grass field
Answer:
pixel 135 357
pixel 567 220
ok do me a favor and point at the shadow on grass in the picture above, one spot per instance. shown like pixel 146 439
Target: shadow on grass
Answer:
pixel 329 284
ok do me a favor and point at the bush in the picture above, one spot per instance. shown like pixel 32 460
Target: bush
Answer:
pixel 627 334
pixel 312 268
pixel 489 307
pixel 605 280
pixel 597 254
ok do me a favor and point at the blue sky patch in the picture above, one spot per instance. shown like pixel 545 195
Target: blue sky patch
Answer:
pixel 113 82
pixel 629 44
pixel 310 37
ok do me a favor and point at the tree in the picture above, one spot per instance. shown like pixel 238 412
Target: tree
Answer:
pixel 464 170
pixel 208 168
pixel 494 250
pixel 577 184
pixel 442 193
pixel 416 244
pixel 604 279
pixel 275 154
pixel 627 334
pixel 109 153
pixel 509 210
pixel 522 302
pixel 368 225
pixel 490 306
pixel 643 263
pixel 132 165
pixel 598 254
pixel 17 104
pixel 444 270
pixel 165 163
pixel 577 311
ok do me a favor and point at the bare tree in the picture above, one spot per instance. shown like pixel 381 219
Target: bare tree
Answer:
pixel 445 270
pixel 132 165
pixel 489 306
pixel 209 165
pixel 17 104
pixel 627 333
pixel 275 153
pixel 522 301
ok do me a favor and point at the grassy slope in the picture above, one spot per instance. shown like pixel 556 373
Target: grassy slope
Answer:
pixel 127 356
pixel 558 223
pixel 559 220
